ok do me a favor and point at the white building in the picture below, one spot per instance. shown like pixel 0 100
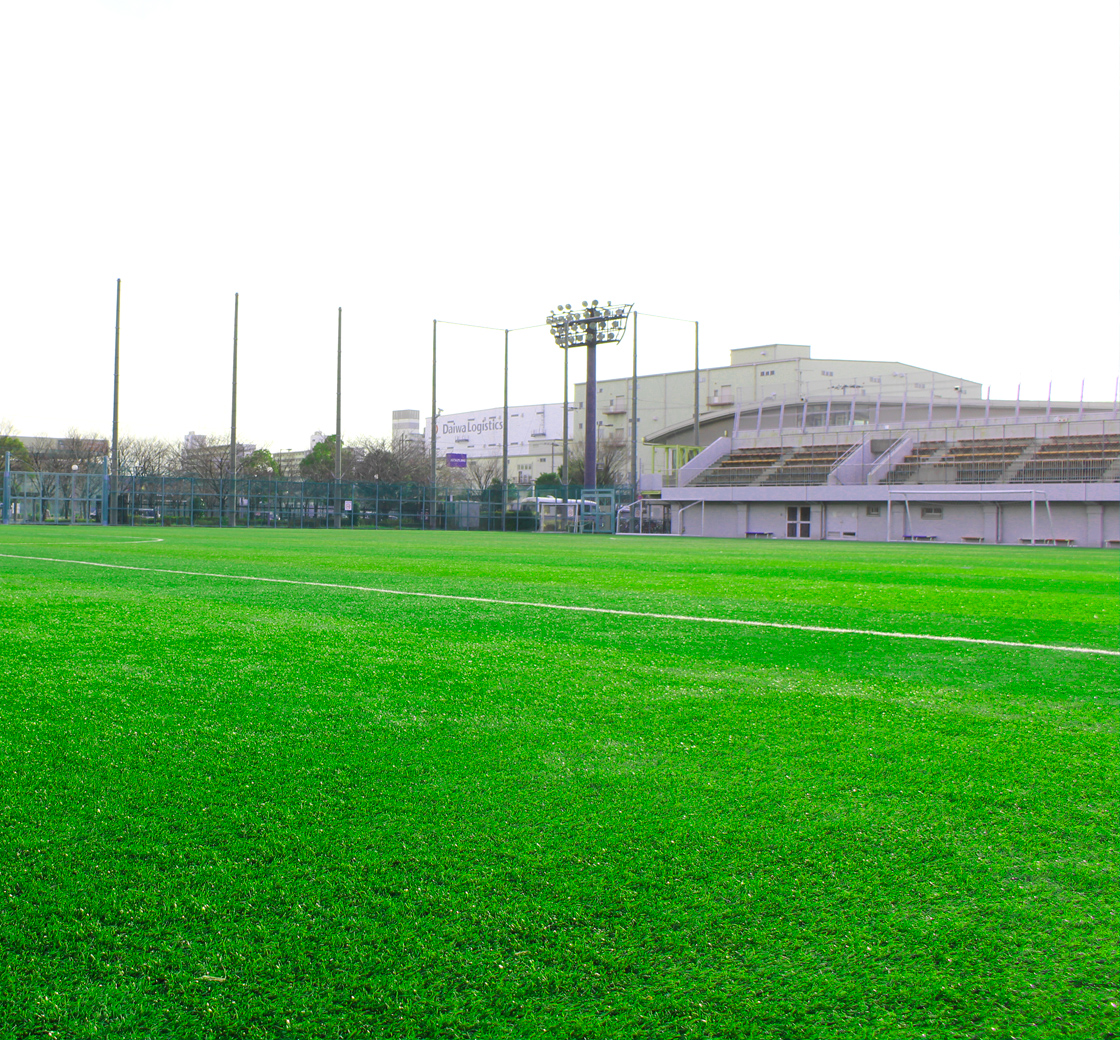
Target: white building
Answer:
pixel 535 437
pixel 406 427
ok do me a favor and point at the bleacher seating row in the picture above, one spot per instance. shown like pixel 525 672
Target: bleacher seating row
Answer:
pixel 1078 458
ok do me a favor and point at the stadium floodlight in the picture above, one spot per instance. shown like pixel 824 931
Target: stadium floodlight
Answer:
pixel 586 328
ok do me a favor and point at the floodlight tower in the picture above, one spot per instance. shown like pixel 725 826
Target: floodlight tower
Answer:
pixel 587 328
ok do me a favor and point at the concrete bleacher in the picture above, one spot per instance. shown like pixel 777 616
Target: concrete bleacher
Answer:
pixel 742 466
pixel 1081 458
pixel 806 465
pixel 922 454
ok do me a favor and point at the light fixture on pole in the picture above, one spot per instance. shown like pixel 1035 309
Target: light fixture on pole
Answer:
pixel 587 328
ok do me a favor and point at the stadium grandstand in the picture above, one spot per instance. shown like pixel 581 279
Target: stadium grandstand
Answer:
pixel 1048 473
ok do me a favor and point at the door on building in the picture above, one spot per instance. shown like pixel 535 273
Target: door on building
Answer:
pixel 797 521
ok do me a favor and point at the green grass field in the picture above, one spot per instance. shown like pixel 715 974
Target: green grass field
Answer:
pixel 253 809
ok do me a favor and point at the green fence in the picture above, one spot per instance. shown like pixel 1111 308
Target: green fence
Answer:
pixel 137 500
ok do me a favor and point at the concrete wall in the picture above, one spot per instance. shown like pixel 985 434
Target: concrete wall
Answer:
pixel 947 521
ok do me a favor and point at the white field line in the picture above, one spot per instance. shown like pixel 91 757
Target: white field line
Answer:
pixel 577 609
pixel 107 541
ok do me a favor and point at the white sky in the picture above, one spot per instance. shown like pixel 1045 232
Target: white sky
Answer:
pixel 931 183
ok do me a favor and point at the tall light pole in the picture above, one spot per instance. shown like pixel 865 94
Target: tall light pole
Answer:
pixel 564 460
pixel 587 328
pixel 634 418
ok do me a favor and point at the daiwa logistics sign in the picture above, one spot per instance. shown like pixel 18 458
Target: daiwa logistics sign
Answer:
pixel 479 435
pixel 472 426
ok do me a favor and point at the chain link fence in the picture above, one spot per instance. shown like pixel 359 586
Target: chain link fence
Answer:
pixel 138 500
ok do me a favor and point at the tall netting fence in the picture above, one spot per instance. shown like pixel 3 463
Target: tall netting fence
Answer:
pixel 137 500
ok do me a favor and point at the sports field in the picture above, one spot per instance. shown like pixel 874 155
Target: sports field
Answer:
pixel 311 806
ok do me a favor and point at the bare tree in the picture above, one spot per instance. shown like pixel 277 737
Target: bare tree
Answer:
pixel 483 473
pixel 610 465
pixel 393 462
pixel 149 456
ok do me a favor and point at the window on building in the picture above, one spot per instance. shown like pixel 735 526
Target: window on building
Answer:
pixel 798 521
pixel 931 512
pixel 919 386
pixel 824 373
pixel 872 510
pixel 876 379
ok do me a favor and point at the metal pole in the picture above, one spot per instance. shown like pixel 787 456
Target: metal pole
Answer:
pixel 591 414
pixel 1049 390
pixel 505 430
pixel 634 419
pixel 115 466
pixel 338 432
pixel 564 460
pixel 988 405
pixel 233 425
pixel 1081 403
pixel 434 401
pixel 1018 389
pixel 696 390
pixel 105 491
pixel 960 390
pixel 7 487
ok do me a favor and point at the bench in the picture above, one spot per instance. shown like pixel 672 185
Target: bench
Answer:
pixel 972 537
pixel 760 534
pixel 921 537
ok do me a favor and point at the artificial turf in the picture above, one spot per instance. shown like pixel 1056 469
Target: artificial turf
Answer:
pixel 251 809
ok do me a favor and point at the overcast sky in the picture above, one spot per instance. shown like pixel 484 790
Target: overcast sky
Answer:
pixel 931 183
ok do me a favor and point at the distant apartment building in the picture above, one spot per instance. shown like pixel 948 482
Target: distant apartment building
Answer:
pixel 406 427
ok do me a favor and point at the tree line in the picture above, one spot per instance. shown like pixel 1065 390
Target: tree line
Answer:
pixel 365 459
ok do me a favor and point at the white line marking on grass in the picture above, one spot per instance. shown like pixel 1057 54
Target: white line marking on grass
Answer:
pixel 107 541
pixel 577 609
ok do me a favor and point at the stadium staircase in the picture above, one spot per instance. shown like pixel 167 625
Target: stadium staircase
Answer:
pixel 1017 466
